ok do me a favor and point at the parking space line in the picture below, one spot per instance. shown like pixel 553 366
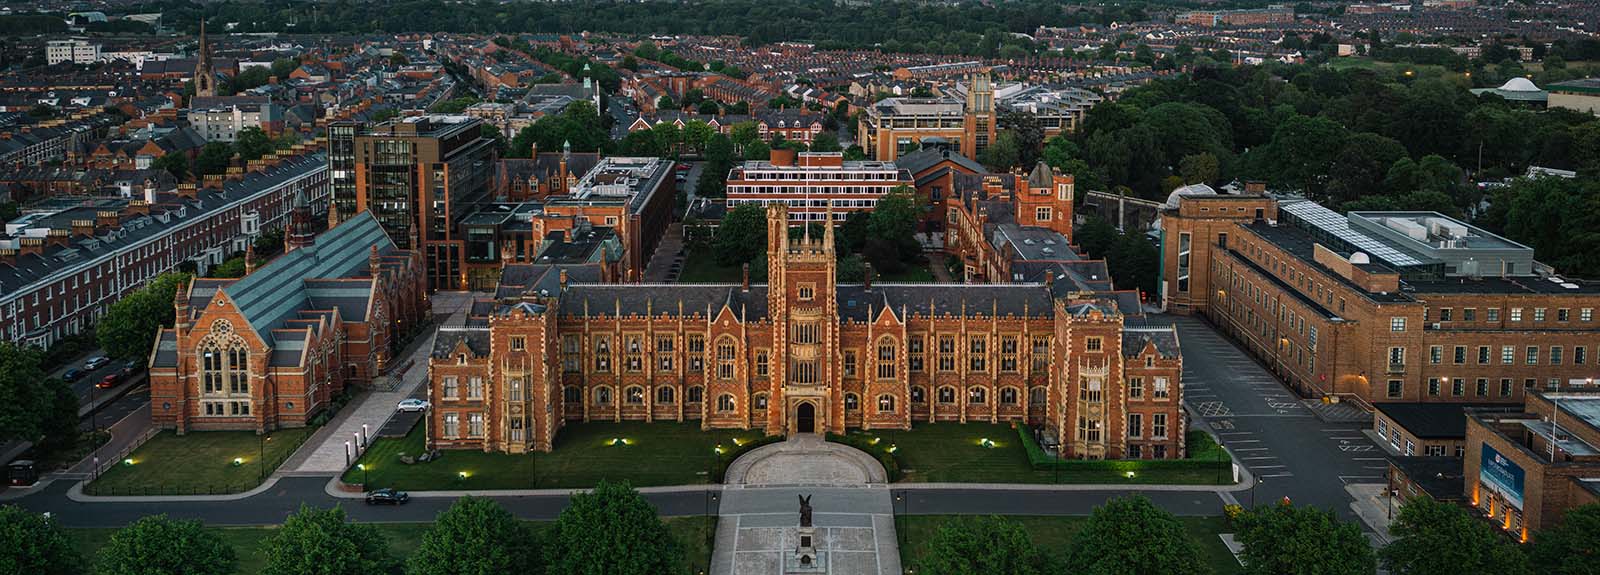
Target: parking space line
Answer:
pixel 1258 458
pixel 1250 449
pixel 1278 475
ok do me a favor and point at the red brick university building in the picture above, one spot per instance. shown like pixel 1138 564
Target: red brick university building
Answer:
pixel 804 354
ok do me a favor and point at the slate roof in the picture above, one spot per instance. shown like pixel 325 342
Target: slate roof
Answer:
pixel 1431 420
pixel 542 279
pixel 1165 339
pixel 920 160
pixel 919 299
pixel 639 299
pixel 1439 477
pixel 278 290
pixel 475 337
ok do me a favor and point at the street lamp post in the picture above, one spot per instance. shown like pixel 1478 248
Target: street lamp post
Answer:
pixel 1253 485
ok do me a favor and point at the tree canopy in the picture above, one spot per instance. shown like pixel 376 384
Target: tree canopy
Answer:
pixel 476 536
pixel 1281 539
pixel 1132 535
pixel 977 545
pixel 612 530
pixel 1572 547
pixel 1434 538
pixel 36 405
pixel 32 543
pixel 321 542
pixel 129 327
pixel 157 545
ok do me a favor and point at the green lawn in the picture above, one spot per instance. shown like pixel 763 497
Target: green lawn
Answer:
pixel 660 453
pixel 1052 534
pixel 199 462
pixel 403 539
pixel 911 274
pixel 953 452
pixel 701 267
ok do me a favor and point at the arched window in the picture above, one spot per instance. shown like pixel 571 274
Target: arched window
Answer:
pixel 695 394
pixel 851 402
pixel 602 354
pixel 725 357
pixel 571 394
pixel 1037 396
pixel 725 402
pixel 761 401
pixel 664 394
pixel 602 395
pixel 977 395
pixel 634 395
pixel 1008 396
pixel 885 403
pixel 919 395
pixel 886 352
pixel 947 394
pixel 224 372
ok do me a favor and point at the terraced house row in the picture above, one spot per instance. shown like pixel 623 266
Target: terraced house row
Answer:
pixel 804 354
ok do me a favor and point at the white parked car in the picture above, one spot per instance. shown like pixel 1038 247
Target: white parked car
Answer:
pixel 413 404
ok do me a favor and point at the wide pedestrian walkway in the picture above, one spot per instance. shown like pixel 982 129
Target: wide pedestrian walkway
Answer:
pixel 325 453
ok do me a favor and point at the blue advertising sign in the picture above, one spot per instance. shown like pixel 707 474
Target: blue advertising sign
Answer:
pixel 1501 475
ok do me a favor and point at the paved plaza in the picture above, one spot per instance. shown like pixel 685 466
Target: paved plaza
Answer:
pixel 757 528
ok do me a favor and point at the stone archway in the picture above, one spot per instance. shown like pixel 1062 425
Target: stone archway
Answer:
pixel 805 417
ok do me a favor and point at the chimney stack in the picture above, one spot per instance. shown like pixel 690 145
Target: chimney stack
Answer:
pixel 83 228
pixel 563 279
pixel 746 284
pixel 59 237
pixel 8 256
pixel 138 208
pixel 107 219
pixel 866 275
pixel 31 246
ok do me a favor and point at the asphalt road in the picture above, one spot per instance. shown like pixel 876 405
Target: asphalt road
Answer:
pixel 1290 450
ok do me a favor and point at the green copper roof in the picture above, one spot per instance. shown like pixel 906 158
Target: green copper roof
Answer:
pixel 273 293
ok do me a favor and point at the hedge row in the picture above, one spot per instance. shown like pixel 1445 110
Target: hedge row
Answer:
pixel 1204 454
pixel 879 451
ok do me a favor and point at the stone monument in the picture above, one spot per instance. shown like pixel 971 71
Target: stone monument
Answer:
pixel 806 559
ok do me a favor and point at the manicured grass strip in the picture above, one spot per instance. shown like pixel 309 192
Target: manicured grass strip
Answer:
pixel 701 267
pixel 403 539
pixel 200 462
pixel 957 453
pixel 1052 534
pixel 660 453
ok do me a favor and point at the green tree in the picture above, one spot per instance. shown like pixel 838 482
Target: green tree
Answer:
pixel 1281 539
pixel 1300 155
pixel 129 327
pixel 1361 165
pixel 708 107
pixel 1004 153
pixel 665 103
pixel 981 545
pixel 453 105
pixel 1435 538
pixel 757 150
pixel 476 536
pixel 321 542
pixel 742 235
pixel 175 164
pixel 826 142
pixel 612 530
pixel 229 268
pixel 1132 535
pixel 744 133
pixel 1200 168
pixel 156 545
pixel 252 143
pixel 31 543
pixel 214 158
pixel 719 152
pixel 696 134
pixel 579 125
pixel 1571 547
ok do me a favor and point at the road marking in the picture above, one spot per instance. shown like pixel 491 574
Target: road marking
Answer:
pixel 1349 438
pixel 1277 475
pixel 1237 433
pixel 1250 449
pixel 1347 478
pixel 1244 441
pixel 1258 458
pixel 1369 459
pixel 1374 467
pixel 1267 466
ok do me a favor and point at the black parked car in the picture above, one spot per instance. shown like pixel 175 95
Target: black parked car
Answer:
pixel 388 496
pixel 71 375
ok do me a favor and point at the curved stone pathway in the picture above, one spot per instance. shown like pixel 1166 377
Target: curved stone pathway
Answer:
pixel 805 460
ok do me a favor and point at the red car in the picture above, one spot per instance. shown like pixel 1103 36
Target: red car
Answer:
pixel 109 381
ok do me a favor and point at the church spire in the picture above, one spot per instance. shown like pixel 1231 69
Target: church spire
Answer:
pixel 205 77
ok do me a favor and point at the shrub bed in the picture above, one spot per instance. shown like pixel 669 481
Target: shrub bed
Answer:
pixel 1204 455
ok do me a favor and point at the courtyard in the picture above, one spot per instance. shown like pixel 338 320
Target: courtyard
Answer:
pixel 199 463
pixel 644 454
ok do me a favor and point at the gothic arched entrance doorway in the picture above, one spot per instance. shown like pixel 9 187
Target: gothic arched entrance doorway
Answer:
pixel 805 417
